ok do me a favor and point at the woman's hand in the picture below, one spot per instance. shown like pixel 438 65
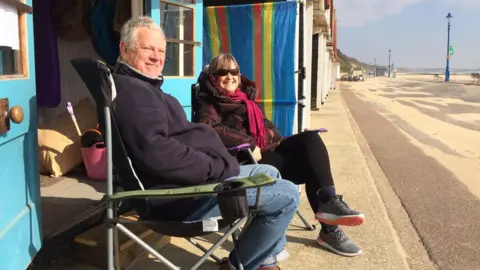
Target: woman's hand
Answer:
pixel 257 153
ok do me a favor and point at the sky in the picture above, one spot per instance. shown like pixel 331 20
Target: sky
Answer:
pixel 415 31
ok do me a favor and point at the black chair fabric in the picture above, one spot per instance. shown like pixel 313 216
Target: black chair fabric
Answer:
pixel 96 76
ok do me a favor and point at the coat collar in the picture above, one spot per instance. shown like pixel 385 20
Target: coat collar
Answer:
pixel 125 69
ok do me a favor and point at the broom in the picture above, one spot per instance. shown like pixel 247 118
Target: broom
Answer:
pixel 74 119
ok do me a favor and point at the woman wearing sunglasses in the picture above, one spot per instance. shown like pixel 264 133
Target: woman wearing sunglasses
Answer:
pixel 226 101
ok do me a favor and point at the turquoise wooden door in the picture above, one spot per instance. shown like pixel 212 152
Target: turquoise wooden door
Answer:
pixel 182 22
pixel 20 225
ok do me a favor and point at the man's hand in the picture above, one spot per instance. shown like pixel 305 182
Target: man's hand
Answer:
pixel 257 153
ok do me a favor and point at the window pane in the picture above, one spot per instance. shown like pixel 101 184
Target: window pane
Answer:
pixel 9 60
pixel 12 42
pixel 178 24
pixel 174 64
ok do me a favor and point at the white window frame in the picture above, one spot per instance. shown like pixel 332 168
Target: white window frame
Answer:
pixel 181 41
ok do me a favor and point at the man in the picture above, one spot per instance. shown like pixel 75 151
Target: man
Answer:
pixel 169 151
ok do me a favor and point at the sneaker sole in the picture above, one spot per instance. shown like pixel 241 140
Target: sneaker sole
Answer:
pixel 332 249
pixel 331 219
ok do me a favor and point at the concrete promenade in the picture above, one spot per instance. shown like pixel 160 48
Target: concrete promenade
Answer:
pixel 357 181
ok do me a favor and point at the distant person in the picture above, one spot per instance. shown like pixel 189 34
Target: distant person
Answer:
pixel 226 101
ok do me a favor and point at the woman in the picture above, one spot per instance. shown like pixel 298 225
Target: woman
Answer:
pixel 226 102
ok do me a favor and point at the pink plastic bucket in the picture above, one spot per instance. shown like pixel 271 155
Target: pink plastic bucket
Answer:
pixel 95 161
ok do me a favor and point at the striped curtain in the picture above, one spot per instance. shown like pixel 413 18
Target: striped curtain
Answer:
pixel 262 39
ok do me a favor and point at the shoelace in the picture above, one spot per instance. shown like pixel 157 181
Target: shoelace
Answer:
pixel 339 200
pixel 340 236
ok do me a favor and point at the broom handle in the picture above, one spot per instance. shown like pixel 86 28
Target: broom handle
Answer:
pixel 74 119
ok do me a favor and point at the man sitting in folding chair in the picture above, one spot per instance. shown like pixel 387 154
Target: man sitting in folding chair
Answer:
pixel 169 151
pixel 226 101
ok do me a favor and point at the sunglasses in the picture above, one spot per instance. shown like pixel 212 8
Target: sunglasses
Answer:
pixel 224 72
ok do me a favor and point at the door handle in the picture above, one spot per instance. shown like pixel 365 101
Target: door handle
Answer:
pixel 7 114
pixel 16 114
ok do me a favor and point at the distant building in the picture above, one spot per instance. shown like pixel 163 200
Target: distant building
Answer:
pixel 357 71
pixel 381 71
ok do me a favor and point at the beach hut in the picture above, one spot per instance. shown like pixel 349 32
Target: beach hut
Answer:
pixel 36 83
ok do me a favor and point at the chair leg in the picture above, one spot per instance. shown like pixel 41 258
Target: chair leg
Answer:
pixel 222 239
pixel 202 248
pixel 116 249
pixel 110 244
pixel 235 236
pixel 249 220
pixel 308 226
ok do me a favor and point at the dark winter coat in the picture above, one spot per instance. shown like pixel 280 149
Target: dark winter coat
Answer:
pixel 229 118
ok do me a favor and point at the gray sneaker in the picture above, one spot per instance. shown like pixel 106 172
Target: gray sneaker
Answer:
pixel 337 212
pixel 338 242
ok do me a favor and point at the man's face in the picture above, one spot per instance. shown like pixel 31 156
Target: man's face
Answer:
pixel 148 52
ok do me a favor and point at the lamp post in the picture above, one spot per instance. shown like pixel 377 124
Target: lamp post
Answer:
pixel 389 65
pixel 374 67
pixel 447 68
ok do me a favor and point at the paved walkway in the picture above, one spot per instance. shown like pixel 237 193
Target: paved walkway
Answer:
pixel 381 248
pixel 380 243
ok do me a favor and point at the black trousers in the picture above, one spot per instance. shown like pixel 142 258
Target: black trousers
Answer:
pixel 303 159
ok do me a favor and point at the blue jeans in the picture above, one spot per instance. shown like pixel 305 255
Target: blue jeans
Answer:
pixel 265 237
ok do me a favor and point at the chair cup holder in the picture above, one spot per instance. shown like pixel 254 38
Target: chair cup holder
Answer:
pixel 228 186
pixel 232 201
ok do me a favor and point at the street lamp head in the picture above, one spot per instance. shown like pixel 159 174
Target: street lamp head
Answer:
pixel 449 16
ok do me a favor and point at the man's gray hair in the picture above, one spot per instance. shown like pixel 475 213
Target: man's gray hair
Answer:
pixel 129 29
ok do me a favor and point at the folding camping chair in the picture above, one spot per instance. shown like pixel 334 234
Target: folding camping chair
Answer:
pixel 99 80
pixel 246 147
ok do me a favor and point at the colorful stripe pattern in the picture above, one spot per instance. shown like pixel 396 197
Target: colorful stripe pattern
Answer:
pixel 262 38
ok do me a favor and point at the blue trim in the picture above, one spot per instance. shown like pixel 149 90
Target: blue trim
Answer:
pixel 152 9
pixel 180 88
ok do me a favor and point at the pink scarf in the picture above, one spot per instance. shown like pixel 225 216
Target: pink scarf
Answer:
pixel 255 117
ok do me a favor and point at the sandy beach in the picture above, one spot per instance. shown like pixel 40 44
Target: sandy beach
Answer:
pixel 464 78
pixel 442 119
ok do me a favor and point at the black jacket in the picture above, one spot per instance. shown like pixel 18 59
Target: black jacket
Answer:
pixel 229 118
pixel 165 148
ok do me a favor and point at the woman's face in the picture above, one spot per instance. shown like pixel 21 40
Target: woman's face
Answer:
pixel 228 78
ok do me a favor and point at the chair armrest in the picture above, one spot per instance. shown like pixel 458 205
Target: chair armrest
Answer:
pixel 243 148
pixel 320 130
pixel 240 147
pixel 255 181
